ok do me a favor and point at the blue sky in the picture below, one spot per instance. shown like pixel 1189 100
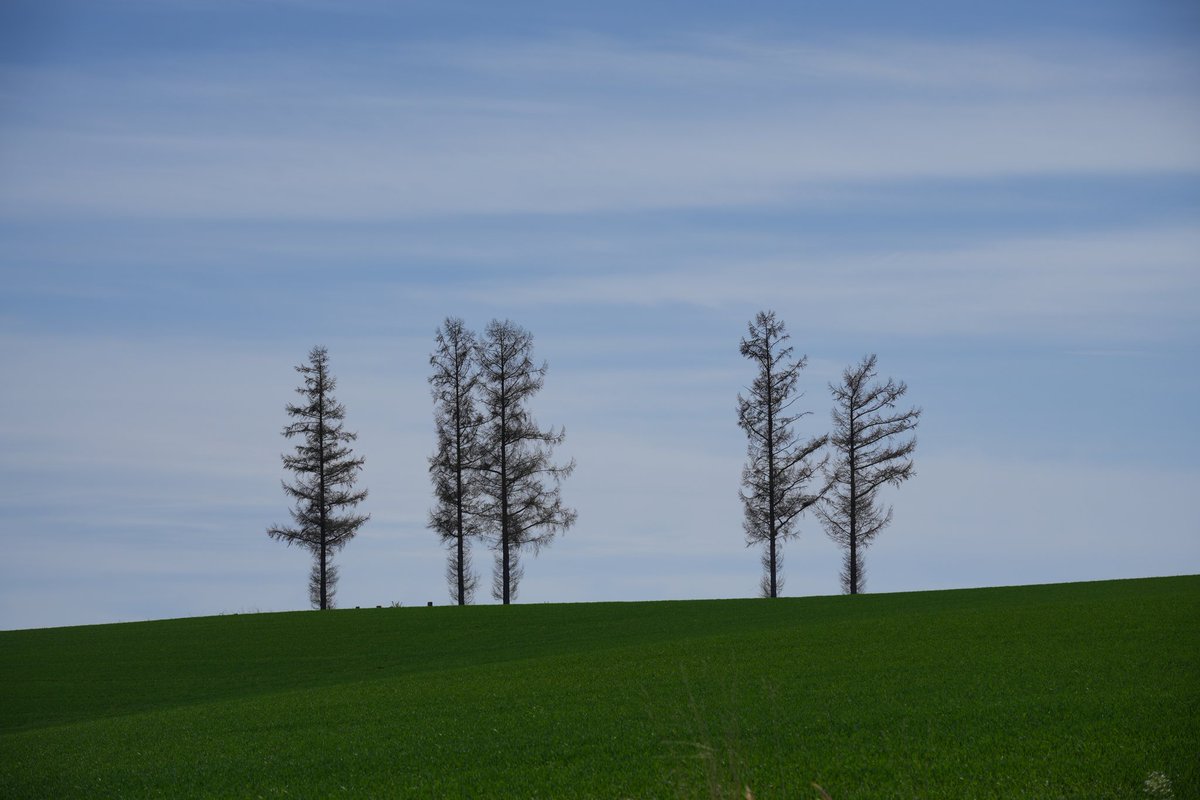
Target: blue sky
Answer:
pixel 1002 202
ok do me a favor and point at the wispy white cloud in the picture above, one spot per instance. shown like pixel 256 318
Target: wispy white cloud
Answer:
pixel 1140 283
pixel 715 63
pixel 584 126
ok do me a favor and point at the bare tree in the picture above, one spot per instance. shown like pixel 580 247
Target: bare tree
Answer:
pixel 868 455
pixel 325 476
pixel 521 500
pixel 453 465
pixel 779 466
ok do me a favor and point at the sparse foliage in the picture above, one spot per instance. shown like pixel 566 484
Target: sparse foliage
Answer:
pixel 326 472
pixel 779 466
pixel 454 465
pixel 520 499
pixel 868 453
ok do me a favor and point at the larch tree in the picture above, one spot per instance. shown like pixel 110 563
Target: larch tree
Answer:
pixel 779 465
pixel 455 463
pixel 325 473
pixel 521 503
pixel 870 450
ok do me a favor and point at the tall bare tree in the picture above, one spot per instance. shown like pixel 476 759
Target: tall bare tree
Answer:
pixel 779 466
pixel 869 452
pixel 521 500
pixel 326 472
pixel 453 466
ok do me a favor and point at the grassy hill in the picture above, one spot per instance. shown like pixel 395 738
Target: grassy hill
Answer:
pixel 1072 690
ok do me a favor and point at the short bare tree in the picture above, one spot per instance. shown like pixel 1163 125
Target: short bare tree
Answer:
pixel 779 466
pixel 454 465
pixel 326 472
pixel 868 453
pixel 521 503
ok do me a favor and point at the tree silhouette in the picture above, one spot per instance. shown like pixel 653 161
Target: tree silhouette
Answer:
pixel 867 456
pixel 521 503
pixel 325 476
pixel 453 466
pixel 778 465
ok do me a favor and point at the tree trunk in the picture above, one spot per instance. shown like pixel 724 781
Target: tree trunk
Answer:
pixel 321 490
pixel 771 470
pixel 462 587
pixel 506 574
pixel 853 508
pixel 324 597
pixel 774 592
pixel 458 488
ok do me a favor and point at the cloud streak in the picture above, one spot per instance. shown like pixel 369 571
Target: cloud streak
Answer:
pixel 577 127
pixel 1137 283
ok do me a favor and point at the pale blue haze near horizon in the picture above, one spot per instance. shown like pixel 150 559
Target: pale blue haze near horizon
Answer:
pixel 1000 200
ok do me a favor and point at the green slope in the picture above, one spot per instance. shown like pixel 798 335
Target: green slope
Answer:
pixel 1072 690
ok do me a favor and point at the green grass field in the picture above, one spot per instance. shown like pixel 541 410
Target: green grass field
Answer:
pixel 1072 690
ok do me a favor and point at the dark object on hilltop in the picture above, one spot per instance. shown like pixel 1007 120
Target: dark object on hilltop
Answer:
pixel 867 455
pixel 778 465
pixel 520 500
pixel 454 465
pixel 325 476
